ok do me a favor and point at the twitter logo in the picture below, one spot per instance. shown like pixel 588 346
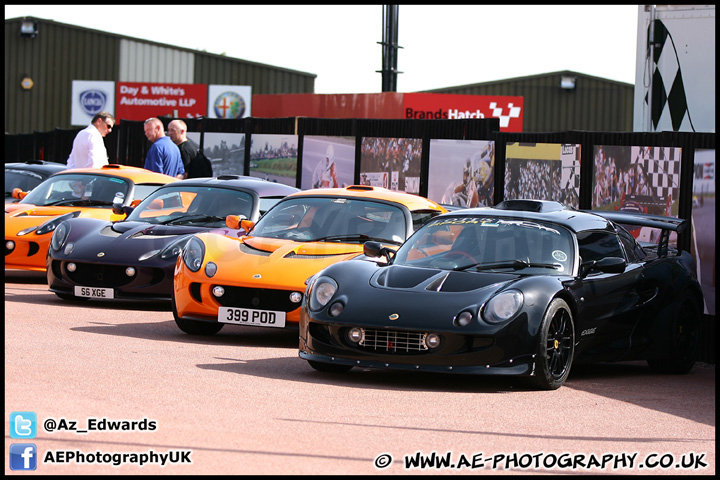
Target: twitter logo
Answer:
pixel 23 425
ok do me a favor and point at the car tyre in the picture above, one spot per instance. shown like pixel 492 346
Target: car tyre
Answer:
pixel 194 327
pixel 684 336
pixel 556 348
pixel 329 367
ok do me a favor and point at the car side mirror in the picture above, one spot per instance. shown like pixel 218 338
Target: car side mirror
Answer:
pixel 124 211
pixel 611 265
pixel 18 193
pixel 605 265
pixel 117 204
pixel 375 249
pixel 235 221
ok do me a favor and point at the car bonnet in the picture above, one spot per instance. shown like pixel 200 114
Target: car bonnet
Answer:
pixel 273 263
pixel 438 280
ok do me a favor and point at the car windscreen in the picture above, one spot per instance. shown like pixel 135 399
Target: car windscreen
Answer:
pixel 196 205
pixel 489 243
pixel 333 219
pixel 25 180
pixel 77 190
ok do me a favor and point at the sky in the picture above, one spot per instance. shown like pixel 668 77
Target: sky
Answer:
pixel 442 45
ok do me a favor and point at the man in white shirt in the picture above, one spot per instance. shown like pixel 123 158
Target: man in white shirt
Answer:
pixel 88 147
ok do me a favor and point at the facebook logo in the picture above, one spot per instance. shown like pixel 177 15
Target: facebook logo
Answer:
pixel 23 456
pixel 23 425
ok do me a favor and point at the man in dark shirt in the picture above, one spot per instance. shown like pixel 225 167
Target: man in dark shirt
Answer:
pixel 177 131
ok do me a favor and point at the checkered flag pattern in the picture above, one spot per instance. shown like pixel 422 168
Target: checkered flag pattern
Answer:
pixel 668 90
pixel 662 167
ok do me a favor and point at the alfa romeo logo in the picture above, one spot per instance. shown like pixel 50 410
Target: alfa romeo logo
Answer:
pixel 229 105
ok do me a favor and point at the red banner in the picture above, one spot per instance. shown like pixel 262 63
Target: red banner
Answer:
pixel 426 106
pixel 440 106
pixel 139 100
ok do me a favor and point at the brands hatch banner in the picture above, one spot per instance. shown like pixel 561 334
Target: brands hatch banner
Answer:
pixel 389 105
pixel 450 106
pixel 142 100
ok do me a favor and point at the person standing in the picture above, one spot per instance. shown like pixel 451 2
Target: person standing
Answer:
pixel 88 149
pixel 164 155
pixel 177 131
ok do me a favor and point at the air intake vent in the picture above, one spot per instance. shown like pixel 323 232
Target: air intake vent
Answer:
pixel 530 206
pixel 253 251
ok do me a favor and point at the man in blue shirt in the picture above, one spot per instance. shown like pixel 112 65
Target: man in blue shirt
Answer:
pixel 164 155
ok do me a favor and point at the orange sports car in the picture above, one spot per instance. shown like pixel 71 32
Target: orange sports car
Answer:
pixel 87 192
pixel 260 279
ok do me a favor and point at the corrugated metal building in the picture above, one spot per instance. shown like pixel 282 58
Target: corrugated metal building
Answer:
pixel 60 53
pixel 562 101
pixel 40 67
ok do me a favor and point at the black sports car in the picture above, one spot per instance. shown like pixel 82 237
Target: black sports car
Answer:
pixel 135 257
pixel 523 288
pixel 28 175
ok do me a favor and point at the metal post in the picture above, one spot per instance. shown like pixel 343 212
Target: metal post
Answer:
pixel 390 47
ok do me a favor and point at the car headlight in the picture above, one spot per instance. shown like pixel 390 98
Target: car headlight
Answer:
pixel 147 255
pixel 51 225
pixel 323 290
pixel 60 236
pixel 503 307
pixel 174 249
pixel 170 252
pixel 193 254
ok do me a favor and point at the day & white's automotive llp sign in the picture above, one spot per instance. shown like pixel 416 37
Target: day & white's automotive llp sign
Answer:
pixel 139 100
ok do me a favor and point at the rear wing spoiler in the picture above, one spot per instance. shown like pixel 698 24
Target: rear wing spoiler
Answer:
pixel 665 224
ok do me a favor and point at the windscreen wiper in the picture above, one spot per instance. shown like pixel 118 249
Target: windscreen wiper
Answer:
pixel 514 264
pixel 335 238
pixel 76 202
pixel 198 217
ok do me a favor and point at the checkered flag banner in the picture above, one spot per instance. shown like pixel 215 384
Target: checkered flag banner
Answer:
pixel 661 166
pixel 666 72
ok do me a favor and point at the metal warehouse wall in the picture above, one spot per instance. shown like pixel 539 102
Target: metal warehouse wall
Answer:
pixel 595 104
pixel 58 55
pixel 264 79
pixel 61 53
pixel 145 62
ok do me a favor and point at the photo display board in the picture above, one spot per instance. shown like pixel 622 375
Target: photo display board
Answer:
pixel 274 157
pixel 327 162
pixel 462 172
pixel 543 171
pixel 703 216
pixel 637 179
pixel 392 163
pixel 226 152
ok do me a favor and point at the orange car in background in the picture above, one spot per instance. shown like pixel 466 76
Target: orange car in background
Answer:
pixel 260 279
pixel 87 192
